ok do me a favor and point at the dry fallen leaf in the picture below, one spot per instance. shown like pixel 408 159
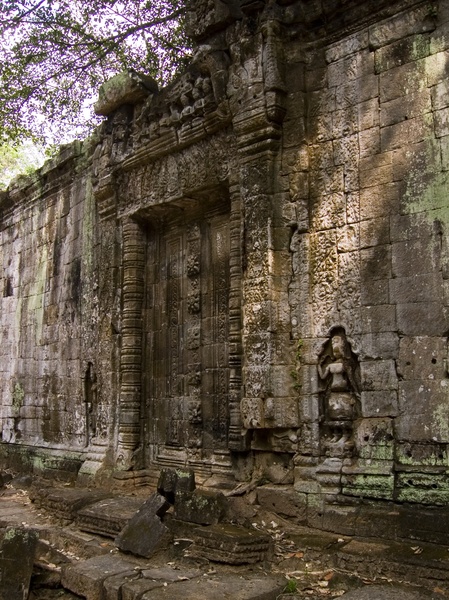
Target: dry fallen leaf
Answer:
pixel 439 590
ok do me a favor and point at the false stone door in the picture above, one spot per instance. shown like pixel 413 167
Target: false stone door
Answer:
pixel 187 323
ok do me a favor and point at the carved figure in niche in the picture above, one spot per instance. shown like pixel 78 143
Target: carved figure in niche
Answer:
pixel 208 97
pixel 174 114
pixel 91 402
pixel 198 100
pixel 164 122
pixel 338 370
pixel 186 101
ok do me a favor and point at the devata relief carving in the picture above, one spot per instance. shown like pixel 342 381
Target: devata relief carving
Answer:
pixel 339 373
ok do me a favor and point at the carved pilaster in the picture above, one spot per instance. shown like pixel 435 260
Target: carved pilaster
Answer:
pixel 238 440
pixel 269 401
pixel 194 365
pixel 273 72
pixel 131 351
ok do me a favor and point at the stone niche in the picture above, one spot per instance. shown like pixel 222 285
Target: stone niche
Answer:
pixel 245 273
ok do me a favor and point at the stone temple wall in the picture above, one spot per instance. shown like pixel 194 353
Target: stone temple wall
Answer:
pixel 245 272
pixel 52 359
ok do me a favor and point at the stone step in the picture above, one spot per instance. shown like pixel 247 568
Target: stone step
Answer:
pixel 86 578
pixel 420 564
pixel 147 580
pixel 73 543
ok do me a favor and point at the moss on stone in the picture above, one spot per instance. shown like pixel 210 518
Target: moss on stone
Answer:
pixel 18 395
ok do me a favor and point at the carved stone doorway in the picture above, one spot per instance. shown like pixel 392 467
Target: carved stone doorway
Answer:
pixel 186 358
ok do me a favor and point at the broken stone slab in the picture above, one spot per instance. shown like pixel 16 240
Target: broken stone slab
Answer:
pixel 88 578
pixel 17 552
pixel 221 588
pixel 389 592
pixel 112 586
pixel 108 517
pixel 134 590
pixel 230 544
pixel 204 507
pixel 73 542
pixel 64 503
pixel 145 533
pixel 155 578
pixel 172 481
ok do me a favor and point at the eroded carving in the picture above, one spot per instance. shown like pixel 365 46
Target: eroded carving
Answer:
pixel 339 373
pixel 91 402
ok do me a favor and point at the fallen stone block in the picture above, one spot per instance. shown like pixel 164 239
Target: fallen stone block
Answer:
pixel 136 589
pixel 145 533
pixel 155 578
pixel 230 544
pixel 221 588
pixel 64 503
pixel 88 578
pixel 17 552
pixel 113 586
pixel 108 517
pixel 282 500
pixel 172 481
pixel 204 507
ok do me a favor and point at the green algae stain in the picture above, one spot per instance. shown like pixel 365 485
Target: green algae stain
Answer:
pixel 441 421
pixel 377 452
pixel 371 485
pixel 36 303
pixel 88 227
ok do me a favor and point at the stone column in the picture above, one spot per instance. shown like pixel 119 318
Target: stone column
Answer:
pixel 129 429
